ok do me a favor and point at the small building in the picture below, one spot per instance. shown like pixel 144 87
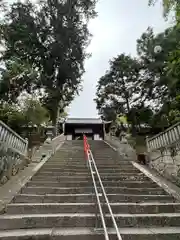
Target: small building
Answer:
pixel 93 128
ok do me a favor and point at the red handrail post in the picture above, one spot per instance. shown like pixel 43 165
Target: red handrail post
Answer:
pixel 86 146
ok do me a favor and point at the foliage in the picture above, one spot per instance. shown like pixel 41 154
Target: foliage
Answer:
pixel 34 113
pixel 141 114
pixel 51 37
pixel 115 89
pixel 118 88
pixel 150 93
pixel 63 115
pixel 17 77
pixel 13 117
pixel 31 113
pixel 172 47
pixel 168 5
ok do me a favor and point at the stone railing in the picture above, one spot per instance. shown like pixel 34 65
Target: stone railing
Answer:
pixel 165 139
pixel 164 152
pixel 48 148
pixel 13 152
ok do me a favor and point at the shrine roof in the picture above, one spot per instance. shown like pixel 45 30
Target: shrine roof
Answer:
pixel 84 121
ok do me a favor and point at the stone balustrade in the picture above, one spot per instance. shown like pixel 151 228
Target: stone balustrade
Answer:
pixel 164 152
pixel 48 148
pixel 165 139
pixel 13 152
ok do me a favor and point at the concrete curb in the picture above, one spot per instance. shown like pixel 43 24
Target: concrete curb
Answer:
pixel 14 185
pixel 169 187
pixel 111 146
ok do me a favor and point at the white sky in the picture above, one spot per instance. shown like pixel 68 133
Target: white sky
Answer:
pixel 118 25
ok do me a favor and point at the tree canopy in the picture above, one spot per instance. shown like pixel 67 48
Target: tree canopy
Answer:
pixel 145 89
pixel 28 111
pixel 168 5
pixel 44 47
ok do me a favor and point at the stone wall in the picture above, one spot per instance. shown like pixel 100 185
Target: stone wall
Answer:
pixel 166 163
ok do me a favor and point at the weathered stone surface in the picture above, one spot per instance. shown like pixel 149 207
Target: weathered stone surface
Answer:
pixel 10 163
pixel 59 201
pixel 123 148
pixel 165 164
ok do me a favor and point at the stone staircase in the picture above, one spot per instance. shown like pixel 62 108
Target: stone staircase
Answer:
pixel 59 201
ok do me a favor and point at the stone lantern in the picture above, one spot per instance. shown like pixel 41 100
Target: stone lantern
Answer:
pixel 49 133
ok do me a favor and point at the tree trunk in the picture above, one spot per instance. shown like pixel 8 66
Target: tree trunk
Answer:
pixel 128 108
pixel 57 118
pixel 54 118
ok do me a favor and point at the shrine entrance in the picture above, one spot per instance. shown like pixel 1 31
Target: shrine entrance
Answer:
pixel 93 128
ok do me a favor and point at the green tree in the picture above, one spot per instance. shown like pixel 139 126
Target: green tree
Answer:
pixel 18 76
pixel 26 112
pixel 159 83
pixel 118 87
pixel 34 113
pixel 168 5
pixel 173 60
pixel 12 116
pixel 51 36
pixel 141 115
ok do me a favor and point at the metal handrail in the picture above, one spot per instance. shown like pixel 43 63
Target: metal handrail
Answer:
pixel 98 201
pixel 91 160
pixel 106 198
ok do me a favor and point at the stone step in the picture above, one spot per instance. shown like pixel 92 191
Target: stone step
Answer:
pixel 121 170
pixel 110 160
pixel 34 198
pixel 63 173
pixel 45 208
pixel 59 201
pixel 89 178
pixel 44 173
pixel 66 190
pixel 107 155
pixel 168 233
pixel 74 157
pixel 84 166
pixel 83 162
pixel 85 174
pixel 81 171
pixel 22 221
pixel 84 169
pixel 60 169
pixel 129 184
pixel 66 162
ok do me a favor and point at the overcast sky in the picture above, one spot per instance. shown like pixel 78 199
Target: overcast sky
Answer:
pixel 115 30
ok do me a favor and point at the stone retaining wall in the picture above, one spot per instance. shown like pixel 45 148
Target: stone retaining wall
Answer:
pixel 166 163
pixel 122 147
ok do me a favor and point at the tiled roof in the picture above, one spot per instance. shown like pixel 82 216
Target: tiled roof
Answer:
pixel 84 120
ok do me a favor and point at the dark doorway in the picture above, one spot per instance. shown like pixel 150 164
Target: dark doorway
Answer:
pixel 79 136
